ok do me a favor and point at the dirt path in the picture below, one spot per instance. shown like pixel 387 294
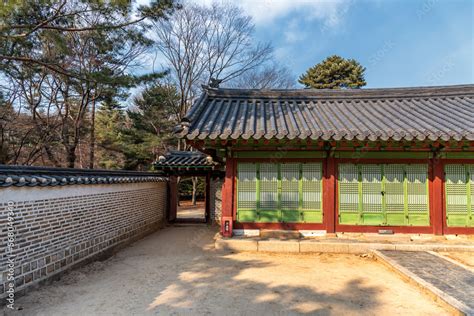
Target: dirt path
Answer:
pixel 187 210
pixel 176 271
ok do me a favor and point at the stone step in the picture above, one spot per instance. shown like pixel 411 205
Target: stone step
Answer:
pixel 452 287
pixel 279 234
pixel 339 246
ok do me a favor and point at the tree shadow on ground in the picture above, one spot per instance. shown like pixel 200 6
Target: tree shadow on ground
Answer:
pixel 218 283
pixel 177 271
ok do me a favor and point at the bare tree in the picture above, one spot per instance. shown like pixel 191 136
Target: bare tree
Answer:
pixel 78 52
pixel 200 43
pixel 272 76
pixel 28 119
pixel 230 45
pixel 181 41
pixel 207 45
pixel 19 144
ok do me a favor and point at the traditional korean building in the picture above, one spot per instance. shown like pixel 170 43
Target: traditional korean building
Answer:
pixel 399 159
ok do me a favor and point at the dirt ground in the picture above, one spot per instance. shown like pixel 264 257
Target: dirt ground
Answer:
pixel 177 271
pixel 187 210
pixel 466 258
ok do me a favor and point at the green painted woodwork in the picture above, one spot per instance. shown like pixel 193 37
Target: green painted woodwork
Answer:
pixel 311 187
pixel 279 154
pixel 395 190
pixel 247 187
pixel 458 155
pixel 382 155
pixel 312 216
pixel 388 194
pixel 459 191
pixel 283 192
pixel 268 184
pixel 291 216
pixel 371 189
pixel 349 192
pixel 247 216
pixel 289 176
pixel 361 154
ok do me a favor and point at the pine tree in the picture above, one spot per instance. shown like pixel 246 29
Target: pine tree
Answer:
pixel 110 123
pixel 151 122
pixel 334 72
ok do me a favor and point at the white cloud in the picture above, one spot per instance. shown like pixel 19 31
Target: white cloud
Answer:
pixel 330 12
pixel 313 9
pixel 292 36
pixel 293 32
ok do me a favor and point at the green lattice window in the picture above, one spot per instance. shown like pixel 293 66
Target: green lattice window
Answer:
pixel 394 188
pixel 349 188
pixel 285 192
pixel 290 180
pixel 268 186
pixel 311 187
pixel 247 186
pixel 459 189
pixel 389 194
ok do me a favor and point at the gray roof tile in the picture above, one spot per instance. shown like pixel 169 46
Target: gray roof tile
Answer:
pixel 30 176
pixel 185 159
pixel 433 113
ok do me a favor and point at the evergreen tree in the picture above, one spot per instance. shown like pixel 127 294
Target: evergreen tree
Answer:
pixel 68 56
pixel 334 72
pixel 152 119
pixel 110 124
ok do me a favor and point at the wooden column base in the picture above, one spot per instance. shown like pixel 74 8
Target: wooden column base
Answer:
pixel 226 226
pixel 228 199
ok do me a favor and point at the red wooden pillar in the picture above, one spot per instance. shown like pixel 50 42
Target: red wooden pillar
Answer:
pixel 436 182
pixel 329 195
pixel 173 190
pixel 208 197
pixel 228 199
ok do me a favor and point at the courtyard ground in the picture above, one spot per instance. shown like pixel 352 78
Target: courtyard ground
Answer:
pixel 177 271
pixel 465 258
pixel 186 210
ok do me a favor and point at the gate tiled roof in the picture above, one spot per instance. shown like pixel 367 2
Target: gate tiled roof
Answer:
pixel 432 113
pixel 178 159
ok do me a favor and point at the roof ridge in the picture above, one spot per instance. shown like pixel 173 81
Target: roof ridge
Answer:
pixel 184 153
pixel 381 93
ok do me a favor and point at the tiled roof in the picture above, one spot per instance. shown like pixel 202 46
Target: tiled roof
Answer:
pixel 20 176
pixel 432 113
pixel 185 159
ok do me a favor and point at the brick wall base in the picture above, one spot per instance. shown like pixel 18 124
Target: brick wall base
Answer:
pixel 67 230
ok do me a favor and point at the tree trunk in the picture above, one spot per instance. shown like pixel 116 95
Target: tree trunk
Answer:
pixel 195 180
pixel 71 156
pixel 51 157
pixel 92 137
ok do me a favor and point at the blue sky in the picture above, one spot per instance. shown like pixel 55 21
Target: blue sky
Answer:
pixel 400 42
